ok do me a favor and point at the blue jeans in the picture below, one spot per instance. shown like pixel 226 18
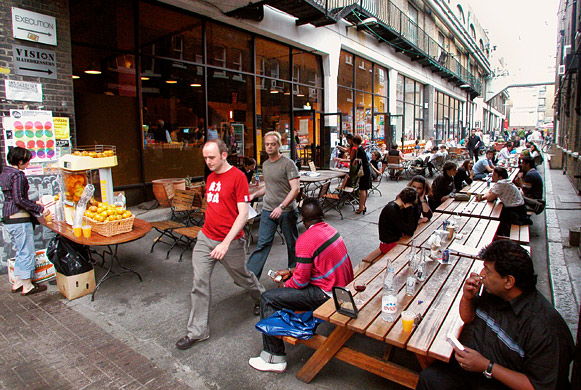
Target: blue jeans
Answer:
pixel 308 298
pixel 22 237
pixel 288 223
pixel 480 176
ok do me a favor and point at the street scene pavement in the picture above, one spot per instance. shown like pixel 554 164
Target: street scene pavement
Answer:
pixel 125 339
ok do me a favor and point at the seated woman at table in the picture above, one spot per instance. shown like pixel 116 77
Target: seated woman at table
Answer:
pixel 465 174
pixel 19 213
pixel 443 185
pixel 397 219
pixel 536 154
pixel 376 165
pixel 249 168
pixel 514 211
pixel 423 188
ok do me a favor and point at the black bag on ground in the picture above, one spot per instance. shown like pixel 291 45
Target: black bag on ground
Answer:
pixel 68 257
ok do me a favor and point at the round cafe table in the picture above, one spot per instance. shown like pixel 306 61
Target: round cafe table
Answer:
pixel 140 229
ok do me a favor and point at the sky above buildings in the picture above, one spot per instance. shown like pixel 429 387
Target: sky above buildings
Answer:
pixel 524 33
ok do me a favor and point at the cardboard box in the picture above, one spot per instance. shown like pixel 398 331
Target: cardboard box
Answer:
pixel 76 286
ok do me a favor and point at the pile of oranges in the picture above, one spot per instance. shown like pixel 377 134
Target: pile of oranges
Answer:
pixel 103 212
pixel 105 153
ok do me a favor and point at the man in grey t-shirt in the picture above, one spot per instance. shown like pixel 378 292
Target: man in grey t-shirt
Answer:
pixel 281 179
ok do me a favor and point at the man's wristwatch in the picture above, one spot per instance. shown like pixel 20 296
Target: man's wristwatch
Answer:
pixel 281 206
pixel 488 372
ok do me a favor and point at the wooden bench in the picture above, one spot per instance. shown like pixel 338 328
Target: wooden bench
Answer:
pixel 519 234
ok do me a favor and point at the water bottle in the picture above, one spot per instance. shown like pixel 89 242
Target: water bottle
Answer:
pixel 422 266
pixel 389 297
pixel 257 179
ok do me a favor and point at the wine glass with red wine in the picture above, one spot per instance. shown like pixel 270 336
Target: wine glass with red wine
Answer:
pixel 359 287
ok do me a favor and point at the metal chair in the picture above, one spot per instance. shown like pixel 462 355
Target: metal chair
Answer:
pixel 395 167
pixel 330 201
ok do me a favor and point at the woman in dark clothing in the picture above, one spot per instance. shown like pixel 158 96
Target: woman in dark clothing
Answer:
pixel 365 180
pixel 443 185
pixel 19 213
pixel 397 219
pixel 464 174
pixel 424 189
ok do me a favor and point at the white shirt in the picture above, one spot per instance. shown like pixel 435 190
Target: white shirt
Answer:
pixel 508 193
pixel 504 154
pixel 428 146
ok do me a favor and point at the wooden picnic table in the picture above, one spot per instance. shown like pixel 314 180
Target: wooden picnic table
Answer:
pixel 472 208
pixel 436 300
pixel 477 188
pixel 472 232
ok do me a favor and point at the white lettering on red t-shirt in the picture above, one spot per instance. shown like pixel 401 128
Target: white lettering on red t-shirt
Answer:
pixel 223 193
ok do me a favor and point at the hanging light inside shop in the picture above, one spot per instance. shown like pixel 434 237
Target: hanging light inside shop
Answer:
pixel 94 68
pixel 274 90
pixel 144 78
pixel 196 85
pixel 171 81
pixel 74 77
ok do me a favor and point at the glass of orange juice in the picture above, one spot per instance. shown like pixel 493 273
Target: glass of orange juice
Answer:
pixel 77 231
pixel 407 320
pixel 86 231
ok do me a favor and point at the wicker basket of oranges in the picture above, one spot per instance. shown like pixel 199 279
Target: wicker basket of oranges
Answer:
pixel 108 220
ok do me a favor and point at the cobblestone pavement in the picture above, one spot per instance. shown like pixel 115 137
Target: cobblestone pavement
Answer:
pixel 46 345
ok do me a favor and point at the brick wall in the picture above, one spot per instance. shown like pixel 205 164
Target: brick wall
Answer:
pixel 57 93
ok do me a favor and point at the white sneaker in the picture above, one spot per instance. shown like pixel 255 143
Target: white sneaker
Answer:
pixel 259 364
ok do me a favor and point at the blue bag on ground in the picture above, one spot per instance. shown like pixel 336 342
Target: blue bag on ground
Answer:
pixel 288 323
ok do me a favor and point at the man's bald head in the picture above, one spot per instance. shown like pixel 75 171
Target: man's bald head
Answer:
pixel 312 211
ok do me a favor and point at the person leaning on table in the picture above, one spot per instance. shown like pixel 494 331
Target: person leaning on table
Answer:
pixel 513 336
pixel 20 212
pixel 513 211
pixel 322 263
pixel 398 218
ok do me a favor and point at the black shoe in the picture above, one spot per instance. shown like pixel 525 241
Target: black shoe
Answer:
pixel 187 342
pixel 256 309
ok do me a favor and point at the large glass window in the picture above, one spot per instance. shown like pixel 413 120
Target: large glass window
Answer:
pixel 448 117
pixel 191 89
pixel 362 96
pixel 410 96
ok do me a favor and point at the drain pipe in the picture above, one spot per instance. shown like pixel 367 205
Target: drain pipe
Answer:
pixel 448 20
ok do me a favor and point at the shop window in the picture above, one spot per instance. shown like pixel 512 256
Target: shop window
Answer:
pixel 275 56
pixel 345 70
pixel 273 112
pixel 309 66
pixel 364 75
pixel 380 81
pixel 231 48
pixel 111 27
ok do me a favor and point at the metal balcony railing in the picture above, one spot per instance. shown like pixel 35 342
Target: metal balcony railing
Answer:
pixel 393 18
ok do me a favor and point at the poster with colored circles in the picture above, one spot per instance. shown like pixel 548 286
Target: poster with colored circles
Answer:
pixel 33 130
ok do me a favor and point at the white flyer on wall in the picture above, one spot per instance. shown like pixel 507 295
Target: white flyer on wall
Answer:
pixel 33 130
pixel 23 91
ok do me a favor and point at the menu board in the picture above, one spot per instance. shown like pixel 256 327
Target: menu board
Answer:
pixel 33 130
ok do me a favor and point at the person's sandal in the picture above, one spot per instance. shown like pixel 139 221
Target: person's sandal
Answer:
pixel 36 289
pixel 14 291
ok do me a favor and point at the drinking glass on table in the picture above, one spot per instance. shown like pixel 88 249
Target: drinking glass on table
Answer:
pixel 359 286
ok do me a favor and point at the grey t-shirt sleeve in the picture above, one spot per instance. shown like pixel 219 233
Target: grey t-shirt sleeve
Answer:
pixel 291 170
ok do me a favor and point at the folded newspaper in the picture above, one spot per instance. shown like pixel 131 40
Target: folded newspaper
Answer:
pixel 464 249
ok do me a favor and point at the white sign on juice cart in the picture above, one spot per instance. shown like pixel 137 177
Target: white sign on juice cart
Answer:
pixel 33 130
pixel 32 26
pixel 23 91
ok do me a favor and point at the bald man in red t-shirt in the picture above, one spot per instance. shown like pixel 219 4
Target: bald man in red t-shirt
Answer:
pixel 219 240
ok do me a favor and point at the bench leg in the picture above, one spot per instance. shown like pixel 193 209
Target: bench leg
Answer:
pixel 323 354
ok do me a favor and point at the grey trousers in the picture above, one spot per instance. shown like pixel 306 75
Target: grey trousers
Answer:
pixel 235 263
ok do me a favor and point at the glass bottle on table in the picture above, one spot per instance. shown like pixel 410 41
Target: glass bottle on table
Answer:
pixel 389 297
pixel 421 267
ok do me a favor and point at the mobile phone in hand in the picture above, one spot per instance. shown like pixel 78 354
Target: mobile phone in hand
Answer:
pixel 274 276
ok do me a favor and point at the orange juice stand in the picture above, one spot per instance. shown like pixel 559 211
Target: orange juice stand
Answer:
pixel 140 229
